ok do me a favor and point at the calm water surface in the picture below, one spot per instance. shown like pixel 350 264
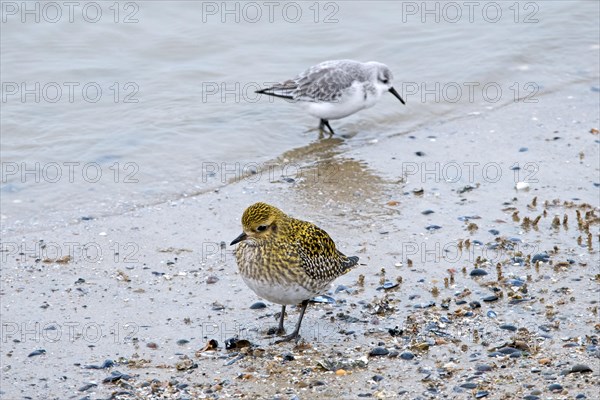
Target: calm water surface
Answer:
pixel 99 117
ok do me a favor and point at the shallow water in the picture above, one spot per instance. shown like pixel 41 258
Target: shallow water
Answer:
pixel 177 82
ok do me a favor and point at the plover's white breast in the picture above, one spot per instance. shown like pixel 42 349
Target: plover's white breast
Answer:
pixel 284 294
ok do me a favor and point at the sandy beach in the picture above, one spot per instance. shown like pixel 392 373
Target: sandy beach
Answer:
pixel 467 287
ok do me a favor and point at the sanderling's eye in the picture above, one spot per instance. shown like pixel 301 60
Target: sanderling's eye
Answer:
pixel 261 228
pixel 385 81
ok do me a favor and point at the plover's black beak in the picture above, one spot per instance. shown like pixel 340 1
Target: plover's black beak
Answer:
pixel 393 91
pixel 238 239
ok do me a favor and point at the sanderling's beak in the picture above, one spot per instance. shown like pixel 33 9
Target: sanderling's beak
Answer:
pixel 393 91
pixel 238 239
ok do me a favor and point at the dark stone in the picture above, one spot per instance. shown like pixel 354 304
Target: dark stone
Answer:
pixel 475 304
pixel 491 298
pixel 469 385
pixel 37 353
pixel 581 368
pixel 508 327
pixel 116 376
pixel 543 257
pixel 379 351
pixel 258 305
pixel 555 387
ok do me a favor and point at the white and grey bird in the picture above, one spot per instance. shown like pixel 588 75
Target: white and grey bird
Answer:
pixel 336 89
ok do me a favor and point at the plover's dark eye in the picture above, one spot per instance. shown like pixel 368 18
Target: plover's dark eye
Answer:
pixel 261 228
pixel 384 81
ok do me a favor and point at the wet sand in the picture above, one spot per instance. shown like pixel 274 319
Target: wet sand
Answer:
pixel 149 289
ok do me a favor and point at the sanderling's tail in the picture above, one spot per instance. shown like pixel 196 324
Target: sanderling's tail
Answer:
pixel 283 90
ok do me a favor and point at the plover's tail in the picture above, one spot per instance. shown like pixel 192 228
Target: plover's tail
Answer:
pixel 283 90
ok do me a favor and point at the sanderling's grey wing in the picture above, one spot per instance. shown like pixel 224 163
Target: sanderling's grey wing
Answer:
pixel 322 83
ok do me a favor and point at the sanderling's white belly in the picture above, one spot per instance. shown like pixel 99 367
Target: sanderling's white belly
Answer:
pixel 278 293
pixel 352 101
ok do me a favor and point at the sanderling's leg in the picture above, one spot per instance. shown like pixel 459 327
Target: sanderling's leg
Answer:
pixel 324 123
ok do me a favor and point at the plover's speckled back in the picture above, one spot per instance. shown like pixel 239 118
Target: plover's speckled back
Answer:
pixel 286 260
pixel 337 89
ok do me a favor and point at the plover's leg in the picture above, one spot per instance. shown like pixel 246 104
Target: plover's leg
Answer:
pixel 294 334
pixel 280 328
pixel 324 123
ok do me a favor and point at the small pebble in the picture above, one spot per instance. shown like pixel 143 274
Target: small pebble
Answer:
pixel 87 386
pixel 379 351
pixel 469 385
pixel 323 299
pixel 432 228
pixel 407 355
pixel 427 212
pixel 478 272
pixel 106 364
pixel 508 350
pixel 508 327
pixel 483 368
pixel 258 305
pixel 387 286
pixel 377 378
pixel 37 353
pixel 491 298
pixel 555 388
pixel 494 232
pixel 581 368
pixel 543 257
pixel 482 394
pixel 475 304
pixel 116 376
